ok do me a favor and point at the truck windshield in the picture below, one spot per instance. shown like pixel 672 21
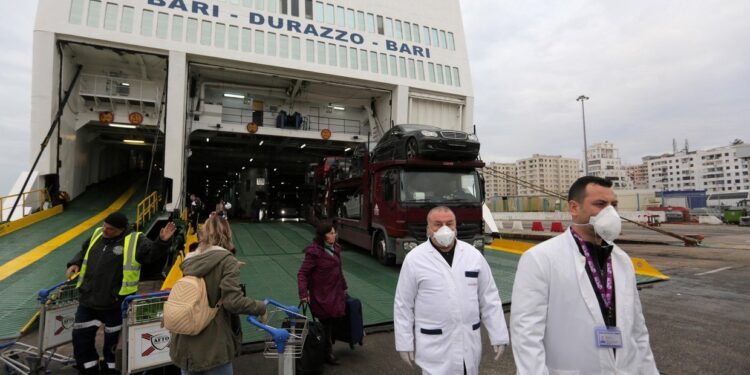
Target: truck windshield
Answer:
pixel 439 187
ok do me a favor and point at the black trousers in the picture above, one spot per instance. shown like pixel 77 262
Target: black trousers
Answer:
pixel 330 326
pixel 86 324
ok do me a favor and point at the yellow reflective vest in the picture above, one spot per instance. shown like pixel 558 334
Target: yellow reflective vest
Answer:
pixel 131 269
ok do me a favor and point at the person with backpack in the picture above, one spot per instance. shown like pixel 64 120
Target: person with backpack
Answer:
pixel 210 350
pixel 321 283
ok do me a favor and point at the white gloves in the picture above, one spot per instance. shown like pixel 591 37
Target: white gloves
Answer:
pixel 407 357
pixel 499 349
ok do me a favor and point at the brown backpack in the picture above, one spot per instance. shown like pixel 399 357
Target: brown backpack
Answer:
pixel 187 311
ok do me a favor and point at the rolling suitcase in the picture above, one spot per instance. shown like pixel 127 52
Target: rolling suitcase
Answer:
pixel 351 329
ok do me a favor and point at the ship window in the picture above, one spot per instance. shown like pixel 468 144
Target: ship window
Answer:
pixel 353 58
pixel 271 44
pixel 296 48
pixel 310 47
pixel 434 37
pixel 407 31
pixel 332 54
pixel 206 27
pixel 426 35
pixel 399 30
pixel 177 22
pixel 329 14
pixel 192 30
pixel 415 32
pixel 319 13
pixel 383 63
pixel 220 35
pixel 110 16
pixel 412 69
pixel 309 9
pixel 260 4
pixel 361 21
pixel 370 23
pixel 284 46
pixel 247 3
pixel 282 4
pixel 350 18
pixel 310 50
pixel 126 22
pixel 451 42
pixel 247 36
pixel 260 45
pixel 373 62
pixel 162 25
pixel 363 59
pixel 321 53
pixel 295 8
pixel 340 21
pixel 342 57
pixel 448 78
pixel 388 27
pixel 233 38
pixel 76 12
pixel 420 70
pixel 442 39
pixel 147 22
pixel 392 65
pixel 380 25
pixel 402 66
pixel 439 74
pixel 456 79
pixel 431 71
pixel 95 8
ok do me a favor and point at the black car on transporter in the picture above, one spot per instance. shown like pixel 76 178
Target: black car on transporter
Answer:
pixel 408 141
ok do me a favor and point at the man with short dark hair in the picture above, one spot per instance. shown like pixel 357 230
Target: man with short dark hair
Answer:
pixel 108 268
pixel 575 304
pixel 445 292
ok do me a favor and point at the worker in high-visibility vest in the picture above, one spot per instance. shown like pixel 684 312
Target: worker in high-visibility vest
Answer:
pixel 109 266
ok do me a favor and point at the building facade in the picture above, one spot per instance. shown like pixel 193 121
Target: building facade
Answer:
pixel 604 161
pixel 717 170
pixel 500 179
pixel 638 175
pixel 552 173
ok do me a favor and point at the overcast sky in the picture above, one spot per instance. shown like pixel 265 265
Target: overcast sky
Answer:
pixel 654 70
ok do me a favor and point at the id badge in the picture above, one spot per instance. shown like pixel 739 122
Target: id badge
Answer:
pixel 608 337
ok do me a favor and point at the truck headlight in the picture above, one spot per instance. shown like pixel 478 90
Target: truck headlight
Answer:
pixel 428 133
pixel 408 246
pixel 473 137
pixel 479 243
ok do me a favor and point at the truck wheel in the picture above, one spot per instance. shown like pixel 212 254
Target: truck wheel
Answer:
pixel 381 250
pixel 412 149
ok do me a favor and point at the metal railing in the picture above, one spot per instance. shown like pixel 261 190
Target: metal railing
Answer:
pixel 34 200
pixel 146 209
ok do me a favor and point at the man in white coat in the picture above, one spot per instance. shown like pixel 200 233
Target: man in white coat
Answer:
pixel 575 307
pixel 445 293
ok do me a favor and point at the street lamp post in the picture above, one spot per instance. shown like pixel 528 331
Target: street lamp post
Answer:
pixel 581 99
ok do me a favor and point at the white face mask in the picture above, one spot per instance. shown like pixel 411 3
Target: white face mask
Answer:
pixel 444 236
pixel 607 224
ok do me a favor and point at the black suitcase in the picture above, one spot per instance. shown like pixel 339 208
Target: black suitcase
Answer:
pixel 314 348
pixel 351 329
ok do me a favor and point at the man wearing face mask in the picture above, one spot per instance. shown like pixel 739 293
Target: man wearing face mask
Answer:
pixel 575 308
pixel 445 293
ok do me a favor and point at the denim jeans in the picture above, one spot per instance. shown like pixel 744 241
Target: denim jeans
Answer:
pixel 220 370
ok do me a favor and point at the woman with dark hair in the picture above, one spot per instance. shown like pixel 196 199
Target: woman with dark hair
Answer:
pixel 321 282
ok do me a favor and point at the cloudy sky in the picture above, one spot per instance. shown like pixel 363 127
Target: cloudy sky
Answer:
pixel 654 70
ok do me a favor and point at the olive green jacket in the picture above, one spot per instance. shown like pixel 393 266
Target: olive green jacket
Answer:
pixel 219 343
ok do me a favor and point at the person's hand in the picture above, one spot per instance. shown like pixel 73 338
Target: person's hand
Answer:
pixel 166 233
pixel 499 349
pixel 264 318
pixel 72 270
pixel 407 357
pixel 306 300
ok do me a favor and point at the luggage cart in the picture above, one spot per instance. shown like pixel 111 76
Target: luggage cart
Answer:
pixel 145 343
pixel 56 317
pixel 288 339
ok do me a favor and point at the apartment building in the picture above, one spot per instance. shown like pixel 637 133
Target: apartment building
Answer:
pixel 499 179
pixel 551 172
pixel 638 174
pixel 604 161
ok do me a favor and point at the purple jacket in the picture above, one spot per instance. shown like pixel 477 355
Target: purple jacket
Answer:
pixel 322 277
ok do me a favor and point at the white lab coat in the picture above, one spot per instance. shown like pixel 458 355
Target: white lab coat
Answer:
pixel 554 314
pixel 441 307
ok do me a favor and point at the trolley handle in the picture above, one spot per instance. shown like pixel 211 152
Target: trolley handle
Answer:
pixel 291 310
pixel 279 335
pixel 44 293
pixel 126 301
